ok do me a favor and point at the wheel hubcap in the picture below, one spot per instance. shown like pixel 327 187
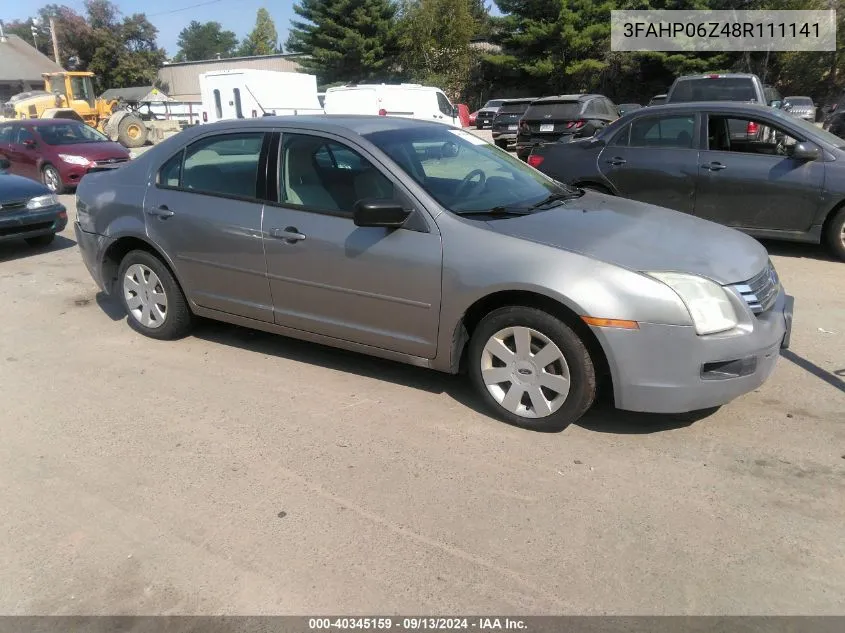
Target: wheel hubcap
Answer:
pixel 134 131
pixel 51 179
pixel 842 235
pixel 145 296
pixel 525 372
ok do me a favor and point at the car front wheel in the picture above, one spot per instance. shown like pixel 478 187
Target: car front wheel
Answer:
pixel 52 179
pixel 531 369
pixel 152 297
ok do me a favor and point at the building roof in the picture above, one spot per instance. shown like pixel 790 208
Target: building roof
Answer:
pixel 20 61
pixel 140 93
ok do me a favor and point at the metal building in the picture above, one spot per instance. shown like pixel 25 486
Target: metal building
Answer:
pixel 180 80
pixel 21 66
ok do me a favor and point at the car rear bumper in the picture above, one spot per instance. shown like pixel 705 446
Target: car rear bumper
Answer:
pixel 17 225
pixel 90 245
pixel 670 369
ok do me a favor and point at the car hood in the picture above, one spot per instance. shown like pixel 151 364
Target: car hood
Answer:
pixel 17 188
pixel 93 151
pixel 641 237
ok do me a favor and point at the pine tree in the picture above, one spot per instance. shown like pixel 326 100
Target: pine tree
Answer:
pixel 263 40
pixel 345 40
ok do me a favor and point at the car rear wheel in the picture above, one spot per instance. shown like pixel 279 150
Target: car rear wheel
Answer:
pixel 531 369
pixel 41 240
pixel 52 179
pixel 835 234
pixel 152 297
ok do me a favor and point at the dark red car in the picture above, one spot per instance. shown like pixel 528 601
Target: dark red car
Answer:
pixel 57 152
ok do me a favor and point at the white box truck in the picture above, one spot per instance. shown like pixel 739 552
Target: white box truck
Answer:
pixel 250 93
pixel 412 101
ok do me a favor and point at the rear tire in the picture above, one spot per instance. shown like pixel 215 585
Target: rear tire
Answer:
pixel 41 240
pixel 52 179
pixel 506 352
pixel 154 302
pixel 835 234
pixel 131 131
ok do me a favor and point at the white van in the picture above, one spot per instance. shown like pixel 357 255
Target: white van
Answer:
pixel 249 93
pixel 412 101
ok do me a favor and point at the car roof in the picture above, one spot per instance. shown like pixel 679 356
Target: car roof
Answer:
pixel 575 97
pixel 719 76
pixel 357 123
pixel 694 106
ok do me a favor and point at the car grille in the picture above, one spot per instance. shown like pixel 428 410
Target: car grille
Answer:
pixel 13 206
pixel 761 291
pixel 110 161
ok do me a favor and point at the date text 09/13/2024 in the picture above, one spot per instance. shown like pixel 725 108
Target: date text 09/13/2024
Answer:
pixel 418 623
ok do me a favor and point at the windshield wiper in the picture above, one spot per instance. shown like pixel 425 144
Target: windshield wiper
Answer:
pixel 559 196
pixel 499 211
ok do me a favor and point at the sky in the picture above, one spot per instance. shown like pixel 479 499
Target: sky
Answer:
pixel 171 16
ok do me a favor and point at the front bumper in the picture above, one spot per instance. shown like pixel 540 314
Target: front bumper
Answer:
pixel 17 225
pixel 670 369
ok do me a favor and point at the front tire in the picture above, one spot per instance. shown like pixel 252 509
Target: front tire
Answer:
pixel 152 297
pixel 531 369
pixel 52 179
pixel 835 234
pixel 131 131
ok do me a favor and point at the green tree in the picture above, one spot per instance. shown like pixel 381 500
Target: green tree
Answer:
pixel 263 40
pixel 205 40
pixel 435 37
pixel 345 40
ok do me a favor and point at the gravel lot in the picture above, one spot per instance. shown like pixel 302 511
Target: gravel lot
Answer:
pixel 239 472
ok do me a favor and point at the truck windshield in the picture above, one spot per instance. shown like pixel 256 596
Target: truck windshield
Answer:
pixel 57 85
pixel 70 133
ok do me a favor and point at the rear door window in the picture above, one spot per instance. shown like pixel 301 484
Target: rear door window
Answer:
pixel 24 135
pixel 676 132
pixel 224 164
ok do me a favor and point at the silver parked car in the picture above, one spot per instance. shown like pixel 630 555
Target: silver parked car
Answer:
pixel 424 244
pixel 801 107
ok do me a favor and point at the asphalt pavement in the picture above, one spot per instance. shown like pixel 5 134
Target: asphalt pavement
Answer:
pixel 243 473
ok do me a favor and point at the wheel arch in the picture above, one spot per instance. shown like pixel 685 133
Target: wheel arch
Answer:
pixel 115 252
pixel 529 299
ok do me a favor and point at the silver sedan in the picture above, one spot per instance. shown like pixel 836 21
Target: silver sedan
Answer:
pixel 424 244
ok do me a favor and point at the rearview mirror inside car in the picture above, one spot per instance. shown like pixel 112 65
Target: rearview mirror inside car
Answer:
pixel 449 150
pixel 385 213
pixel 805 151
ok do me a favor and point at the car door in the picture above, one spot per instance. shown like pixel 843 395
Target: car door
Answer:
pixel 204 211
pixel 23 154
pixel 654 159
pixel 371 285
pixel 7 131
pixel 751 181
pixel 445 111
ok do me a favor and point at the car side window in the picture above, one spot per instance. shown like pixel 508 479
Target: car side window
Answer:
pixel 675 132
pixel 324 175
pixel 170 174
pixel 621 138
pixel 24 135
pixel 6 133
pixel 748 136
pixel 225 164
pixel 443 104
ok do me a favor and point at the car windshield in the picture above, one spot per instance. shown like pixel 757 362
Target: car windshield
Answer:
pixel 714 89
pixel 495 103
pixel 464 173
pixel 514 108
pixel 70 133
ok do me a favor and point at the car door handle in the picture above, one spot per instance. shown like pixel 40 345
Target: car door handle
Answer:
pixel 616 161
pixel 160 212
pixel 291 234
pixel 715 166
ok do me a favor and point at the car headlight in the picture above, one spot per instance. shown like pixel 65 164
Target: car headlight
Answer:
pixel 72 159
pixel 708 303
pixel 42 202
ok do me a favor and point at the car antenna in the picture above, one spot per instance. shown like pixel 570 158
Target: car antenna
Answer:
pixel 263 111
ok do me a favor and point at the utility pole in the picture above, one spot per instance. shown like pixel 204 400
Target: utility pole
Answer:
pixel 55 41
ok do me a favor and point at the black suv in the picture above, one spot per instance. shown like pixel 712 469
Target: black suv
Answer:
pixel 507 119
pixel 562 119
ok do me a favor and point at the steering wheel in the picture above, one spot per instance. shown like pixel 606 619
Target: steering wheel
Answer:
pixel 467 183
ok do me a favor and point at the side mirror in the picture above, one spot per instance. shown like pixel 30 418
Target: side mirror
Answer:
pixel 449 150
pixel 805 151
pixel 385 213
pixel 4 164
